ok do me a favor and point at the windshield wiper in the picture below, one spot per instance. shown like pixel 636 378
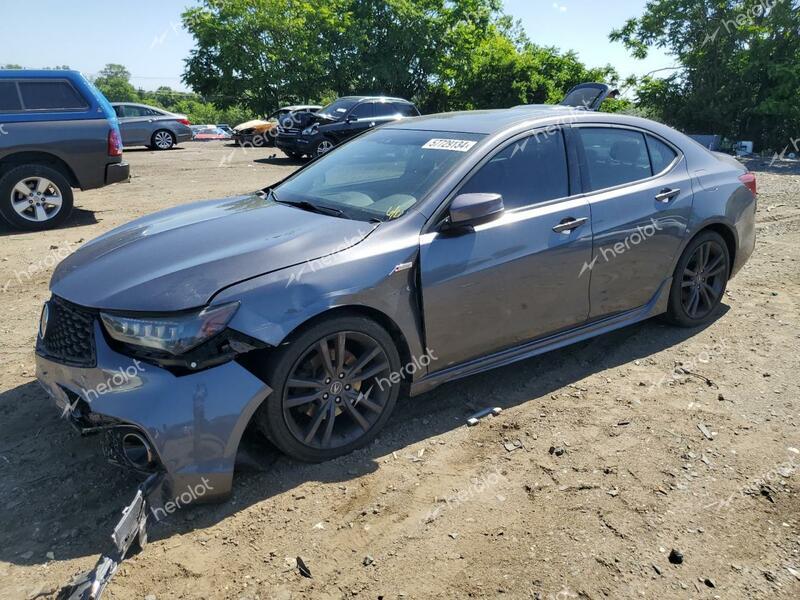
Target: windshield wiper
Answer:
pixel 309 206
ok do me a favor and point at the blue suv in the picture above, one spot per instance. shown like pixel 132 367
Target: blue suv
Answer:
pixel 57 132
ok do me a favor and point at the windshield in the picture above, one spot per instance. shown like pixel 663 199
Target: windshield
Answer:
pixel 380 175
pixel 337 109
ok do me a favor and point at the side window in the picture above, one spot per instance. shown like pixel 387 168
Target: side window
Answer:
pixel 614 156
pixel 9 98
pixel 363 111
pixel 44 95
pixel 661 155
pixel 526 172
pixel 406 110
pixel 385 109
pixel 119 111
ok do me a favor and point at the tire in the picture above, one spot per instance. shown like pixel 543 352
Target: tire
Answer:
pixel 50 204
pixel 287 423
pixel 707 284
pixel 323 147
pixel 163 139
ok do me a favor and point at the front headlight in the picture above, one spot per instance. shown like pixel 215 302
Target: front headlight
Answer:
pixel 310 130
pixel 174 334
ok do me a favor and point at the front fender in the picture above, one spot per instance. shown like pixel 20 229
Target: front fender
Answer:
pixel 379 274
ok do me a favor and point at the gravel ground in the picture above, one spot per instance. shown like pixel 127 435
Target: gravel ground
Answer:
pixel 598 467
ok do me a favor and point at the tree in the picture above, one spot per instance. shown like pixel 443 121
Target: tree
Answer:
pixel 440 53
pixel 114 81
pixel 739 64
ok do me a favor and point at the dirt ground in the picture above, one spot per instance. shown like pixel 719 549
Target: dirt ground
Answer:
pixel 434 509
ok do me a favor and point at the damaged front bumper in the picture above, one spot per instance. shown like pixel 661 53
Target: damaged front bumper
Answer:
pixel 187 426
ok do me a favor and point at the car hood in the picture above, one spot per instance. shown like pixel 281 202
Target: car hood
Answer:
pixel 179 258
pixel 250 124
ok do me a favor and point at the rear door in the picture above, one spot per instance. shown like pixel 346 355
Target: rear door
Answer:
pixel 135 123
pixel 516 278
pixel 640 194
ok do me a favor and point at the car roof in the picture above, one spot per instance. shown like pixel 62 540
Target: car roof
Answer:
pixel 39 73
pixel 299 106
pixel 381 98
pixel 138 104
pixel 489 122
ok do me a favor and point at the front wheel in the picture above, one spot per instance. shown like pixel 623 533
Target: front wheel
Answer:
pixel 332 389
pixel 162 140
pixel 35 197
pixel 323 147
pixel 699 281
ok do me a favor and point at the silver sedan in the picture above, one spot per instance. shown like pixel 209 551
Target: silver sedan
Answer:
pixel 143 125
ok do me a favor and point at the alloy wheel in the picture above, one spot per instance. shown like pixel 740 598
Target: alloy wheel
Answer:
pixel 335 391
pixel 36 199
pixel 163 140
pixel 703 280
pixel 324 147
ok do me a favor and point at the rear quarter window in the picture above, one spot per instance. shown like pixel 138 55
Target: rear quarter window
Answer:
pixel 661 155
pixel 50 95
pixel 9 97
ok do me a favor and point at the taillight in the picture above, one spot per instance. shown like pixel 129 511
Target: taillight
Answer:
pixel 114 143
pixel 749 180
pixel 185 122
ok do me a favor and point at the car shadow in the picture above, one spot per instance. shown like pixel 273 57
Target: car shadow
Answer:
pixel 280 159
pixel 146 149
pixel 65 498
pixel 79 218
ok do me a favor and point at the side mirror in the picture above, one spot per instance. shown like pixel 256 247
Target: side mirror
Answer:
pixel 474 209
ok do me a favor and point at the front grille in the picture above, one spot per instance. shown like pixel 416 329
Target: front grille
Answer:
pixel 69 337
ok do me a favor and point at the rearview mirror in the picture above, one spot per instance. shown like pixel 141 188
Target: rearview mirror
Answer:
pixel 474 209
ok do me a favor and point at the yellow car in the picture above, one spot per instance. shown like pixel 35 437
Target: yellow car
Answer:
pixel 259 132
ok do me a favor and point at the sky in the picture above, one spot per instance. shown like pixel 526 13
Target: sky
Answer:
pixel 146 35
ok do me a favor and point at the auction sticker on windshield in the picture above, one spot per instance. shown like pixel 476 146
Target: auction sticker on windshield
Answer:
pixel 452 145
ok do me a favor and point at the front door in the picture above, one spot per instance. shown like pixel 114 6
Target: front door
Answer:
pixel 516 278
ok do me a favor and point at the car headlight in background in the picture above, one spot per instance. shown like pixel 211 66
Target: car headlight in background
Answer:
pixel 174 334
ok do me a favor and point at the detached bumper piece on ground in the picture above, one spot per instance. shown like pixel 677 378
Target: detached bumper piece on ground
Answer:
pixel 131 529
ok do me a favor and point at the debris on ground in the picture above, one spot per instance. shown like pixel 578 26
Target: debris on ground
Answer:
pixel 475 419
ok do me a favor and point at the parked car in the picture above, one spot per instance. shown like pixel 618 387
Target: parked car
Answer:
pixel 208 133
pixel 156 128
pixel 340 121
pixel 424 251
pixel 57 132
pixel 226 128
pixel 260 132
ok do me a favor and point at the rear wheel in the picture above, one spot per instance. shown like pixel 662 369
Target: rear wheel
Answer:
pixel 331 389
pixel 699 281
pixel 162 140
pixel 35 197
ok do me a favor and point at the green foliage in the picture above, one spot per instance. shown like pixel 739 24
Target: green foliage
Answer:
pixel 442 54
pixel 114 82
pixel 740 66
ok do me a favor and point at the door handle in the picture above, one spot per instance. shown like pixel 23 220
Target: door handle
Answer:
pixel 667 194
pixel 568 224
pixel 372 124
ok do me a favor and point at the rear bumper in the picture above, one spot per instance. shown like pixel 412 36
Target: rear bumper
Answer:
pixel 193 423
pixel 117 172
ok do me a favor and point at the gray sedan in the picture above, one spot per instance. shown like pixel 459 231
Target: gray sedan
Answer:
pixel 424 251
pixel 143 125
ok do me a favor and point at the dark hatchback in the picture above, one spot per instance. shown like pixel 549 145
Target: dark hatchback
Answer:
pixel 338 122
